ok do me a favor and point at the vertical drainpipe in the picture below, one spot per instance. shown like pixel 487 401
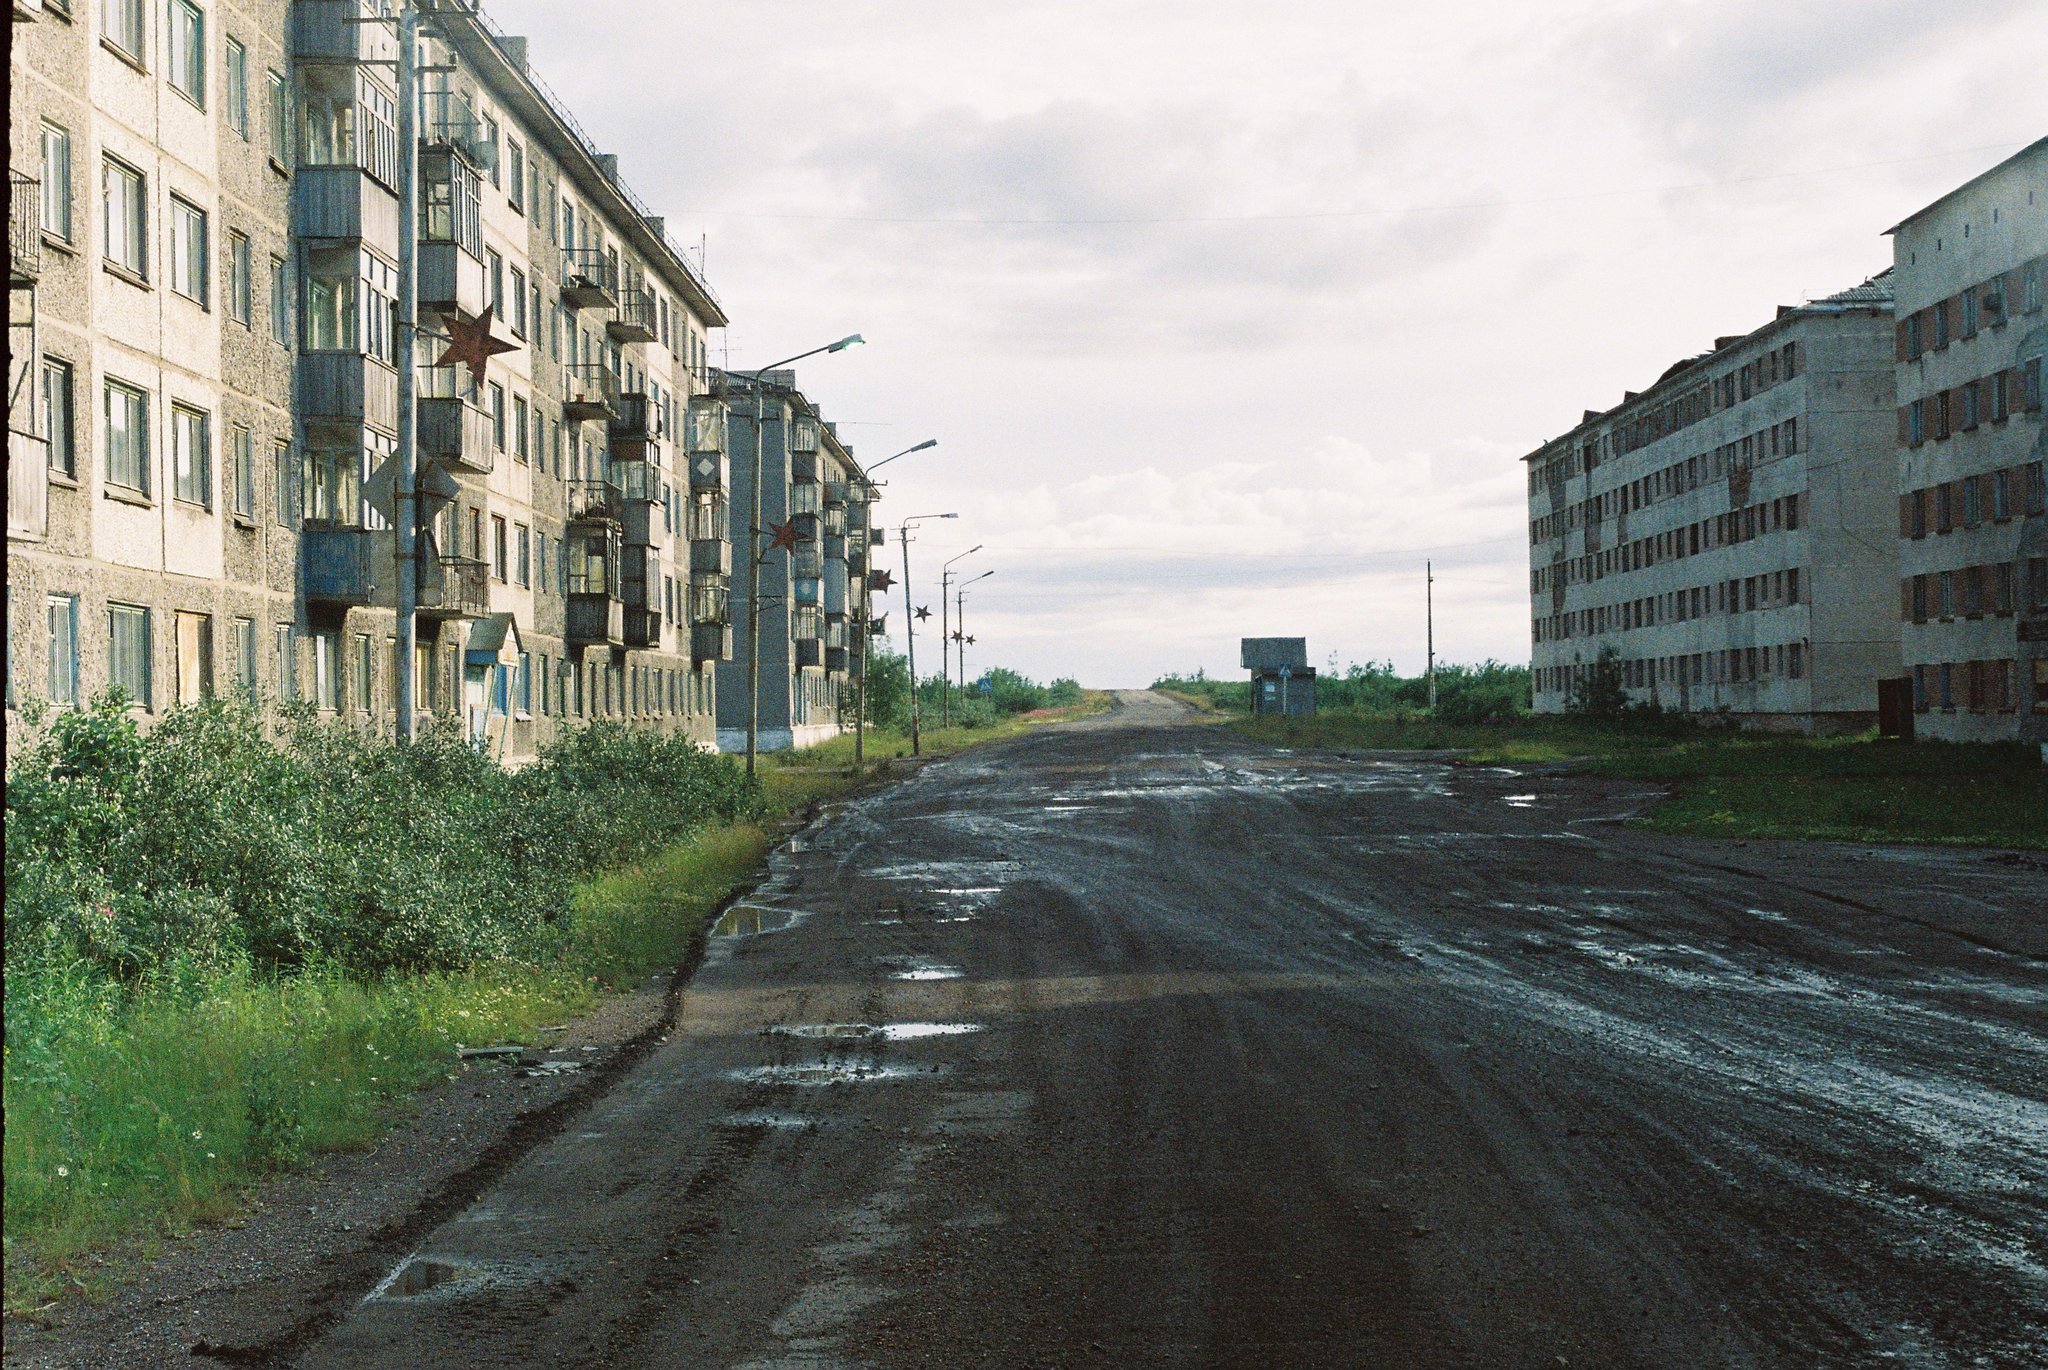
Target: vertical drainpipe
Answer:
pixel 405 506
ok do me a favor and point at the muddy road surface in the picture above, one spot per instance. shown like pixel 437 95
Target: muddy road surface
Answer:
pixel 1132 1043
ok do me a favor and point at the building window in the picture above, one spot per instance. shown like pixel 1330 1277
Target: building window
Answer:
pixel 522 553
pixel 188 51
pixel 525 687
pixel 127 436
pixel 63 678
pixel 2030 288
pixel 287 666
pixel 241 289
pixel 128 651
pixel 518 301
pixel 58 412
pixel 238 88
pixel 57 182
pixel 491 142
pixel 242 454
pixel 494 271
pixel 521 450
pixel 331 486
pixel 191 457
pixel 366 668
pixel 245 655
pixel 188 251
pixel 327 670
pixel 126 217
pixel 280 303
pixel 497 393
pixel 195 657
pixel 329 312
pixel 2001 495
pixel 287 508
pixel 121 23
pixel 515 174
pixel 278 119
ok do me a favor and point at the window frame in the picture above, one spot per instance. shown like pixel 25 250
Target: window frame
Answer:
pixel 191 481
pixel 124 26
pixel 242 456
pixel 138 407
pixel 193 661
pixel 140 695
pixel 191 254
pixel 185 50
pixel 133 217
pixel 241 282
pixel 53 366
pixel 56 173
pixel 64 691
pixel 235 86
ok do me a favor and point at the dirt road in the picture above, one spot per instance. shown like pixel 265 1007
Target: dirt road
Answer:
pixel 1131 1043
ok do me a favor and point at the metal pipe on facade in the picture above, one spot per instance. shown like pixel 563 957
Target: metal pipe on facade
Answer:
pixel 405 506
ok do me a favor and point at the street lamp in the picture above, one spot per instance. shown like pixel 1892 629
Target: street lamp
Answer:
pixel 945 676
pixel 860 698
pixel 910 618
pixel 754 541
pixel 960 617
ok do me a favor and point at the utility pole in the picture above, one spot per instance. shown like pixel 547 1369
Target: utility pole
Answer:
pixel 405 505
pixel 867 558
pixel 945 661
pixel 909 634
pixel 1429 619
pixel 754 578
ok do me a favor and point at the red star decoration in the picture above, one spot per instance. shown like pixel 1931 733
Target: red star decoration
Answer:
pixel 784 536
pixel 880 580
pixel 472 345
pixel 923 614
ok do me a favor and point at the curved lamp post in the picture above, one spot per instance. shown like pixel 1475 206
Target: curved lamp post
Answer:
pixel 945 674
pixel 910 618
pixel 860 698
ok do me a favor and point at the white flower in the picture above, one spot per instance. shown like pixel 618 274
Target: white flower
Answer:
pixel 63 1172
pixel 195 1134
pixel 209 1156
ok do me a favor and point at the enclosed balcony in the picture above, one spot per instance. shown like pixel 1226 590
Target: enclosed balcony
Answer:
pixel 590 278
pixel 24 229
pixel 591 392
pixel 713 555
pixel 454 587
pixel 595 613
pixel 640 492
pixel 456 433
pixel 710 597
pixel 710 642
pixel 639 417
pixel 453 124
pixel 804 469
pixel 349 387
pixel 804 501
pixel 637 317
pixel 338 566
pixel 451 248
pixel 596 502
pixel 640 590
pixel 344 31
pixel 348 119
pixel 705 443
pixel 807 562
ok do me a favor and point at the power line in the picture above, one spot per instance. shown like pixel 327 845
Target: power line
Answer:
pixel 969 221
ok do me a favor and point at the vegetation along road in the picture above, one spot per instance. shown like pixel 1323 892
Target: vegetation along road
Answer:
pixel 1133 1042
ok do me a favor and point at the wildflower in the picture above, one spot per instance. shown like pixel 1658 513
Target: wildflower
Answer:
pixel 462 1013
pixel 63 1172
pixel 209 1156
pixel 195 1134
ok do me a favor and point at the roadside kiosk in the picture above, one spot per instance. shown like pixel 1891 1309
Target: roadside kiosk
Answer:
pixel 1282 680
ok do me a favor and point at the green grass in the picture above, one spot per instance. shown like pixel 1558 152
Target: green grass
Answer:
pixel 135 1114
pixel 1733 784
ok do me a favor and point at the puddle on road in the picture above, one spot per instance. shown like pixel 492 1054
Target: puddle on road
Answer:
pixel 747 920
pixel 1521 801
pixel 829 1073
pixel 775 1122
pixel 872 1032
pixel 969 890
pixel 929 973
pixel 419 1275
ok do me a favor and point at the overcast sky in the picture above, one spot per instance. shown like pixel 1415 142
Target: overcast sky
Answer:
pixel 1226 316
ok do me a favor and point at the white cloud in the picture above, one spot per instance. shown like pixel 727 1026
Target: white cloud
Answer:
pixel 1150 423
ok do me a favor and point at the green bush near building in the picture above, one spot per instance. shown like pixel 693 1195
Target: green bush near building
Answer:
pixel 226 950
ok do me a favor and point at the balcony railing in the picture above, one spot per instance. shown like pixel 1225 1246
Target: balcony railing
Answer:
pixel 807 562
pixel 589 278
pixel 642 627
pixel 592 391
pixel 710 471
pixel 342 31
pixel 707 425
pixel 454 587
pixel 24 229
pixel 595 501
pixel 457 433
pixel 595 619
pixel 637 480
pixel 803 467
pixel 707 520
pixel 637 317
pixel 337 566
pixel 711 554
pixel 710 642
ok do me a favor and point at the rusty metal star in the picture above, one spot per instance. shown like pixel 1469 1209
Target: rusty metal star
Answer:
pixel 472 345
pixel 923 613
pixel 784 536
pixel 880 580
pixel 957 636
pixel 970 641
